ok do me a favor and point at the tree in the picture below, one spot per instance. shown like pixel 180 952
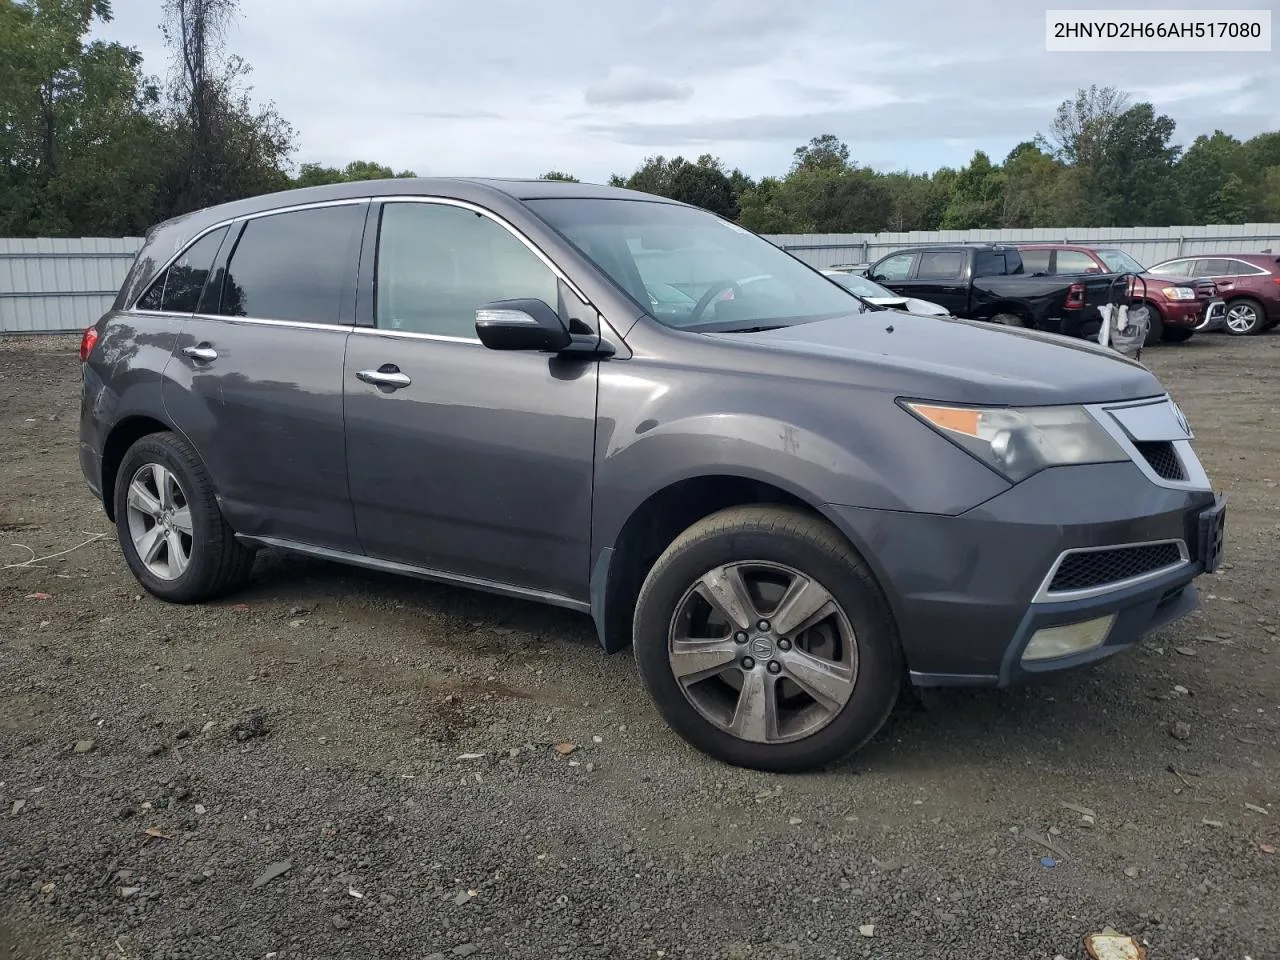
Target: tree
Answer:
pixel 977 199
pixel 80 137
pixel 314 174
pixel 1080 123
pixel 231 148
pixel 1132 176
pixel 1211 176
pixel 558 175
pixel 827 152
pixel 703 184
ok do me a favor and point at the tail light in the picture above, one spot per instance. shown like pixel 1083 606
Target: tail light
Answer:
pixel 88 340
pixel 1075 297
pixel 1276 280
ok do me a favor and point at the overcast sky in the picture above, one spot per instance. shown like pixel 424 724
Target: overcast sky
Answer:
pixel 515 87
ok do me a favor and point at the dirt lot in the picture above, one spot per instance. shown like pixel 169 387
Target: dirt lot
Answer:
pixel 321 720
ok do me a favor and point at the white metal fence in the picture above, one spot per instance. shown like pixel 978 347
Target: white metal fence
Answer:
pixel 59 286
pixel 1147 245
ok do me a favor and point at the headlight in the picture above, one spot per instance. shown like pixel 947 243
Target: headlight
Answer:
pixel 1179 293
pixel 1017 442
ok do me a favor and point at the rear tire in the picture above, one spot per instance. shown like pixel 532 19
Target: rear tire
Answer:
pixel 1245 317
pixel 1009 320
pixel 171 530
pixel 847 652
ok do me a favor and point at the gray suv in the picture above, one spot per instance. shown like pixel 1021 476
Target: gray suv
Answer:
pixel 789 501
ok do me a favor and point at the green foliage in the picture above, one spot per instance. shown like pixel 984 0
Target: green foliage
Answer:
pixel 559 175
pixel 316 175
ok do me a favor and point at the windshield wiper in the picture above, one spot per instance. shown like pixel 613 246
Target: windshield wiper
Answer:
pixel 760 329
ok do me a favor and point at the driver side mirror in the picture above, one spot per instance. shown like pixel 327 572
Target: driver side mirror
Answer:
pixel 521 325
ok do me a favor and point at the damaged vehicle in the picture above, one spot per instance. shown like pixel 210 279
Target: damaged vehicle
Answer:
pixel 790 503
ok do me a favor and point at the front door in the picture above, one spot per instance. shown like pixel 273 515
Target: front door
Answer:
pixel 894 272
pixel 255 381
pixel 466 461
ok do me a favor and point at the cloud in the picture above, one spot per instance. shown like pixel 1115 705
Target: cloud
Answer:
pixel 492 88
pixel 634 85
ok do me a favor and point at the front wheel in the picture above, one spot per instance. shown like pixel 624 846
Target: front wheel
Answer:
pixel 765 642
pixel 171 530
pixel 1177 335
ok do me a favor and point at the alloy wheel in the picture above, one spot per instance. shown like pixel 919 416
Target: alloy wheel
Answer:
pixel 159 521
pixel 1242 318
pixel 763 651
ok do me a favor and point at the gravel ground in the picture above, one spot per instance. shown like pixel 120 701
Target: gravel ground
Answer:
pixel 393 745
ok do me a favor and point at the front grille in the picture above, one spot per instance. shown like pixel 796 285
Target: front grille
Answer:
pixel 1097 568
pixel 1163 459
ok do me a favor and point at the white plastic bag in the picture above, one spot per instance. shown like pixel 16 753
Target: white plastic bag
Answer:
pixel 1124 330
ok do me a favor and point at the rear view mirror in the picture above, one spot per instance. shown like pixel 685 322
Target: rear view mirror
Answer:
pixel 521 325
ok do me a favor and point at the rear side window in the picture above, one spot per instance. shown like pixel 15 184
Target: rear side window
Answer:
pixel 177 290
pixel 1212 268
pixel 294 266
pixel 941 265
pixel 438 263
pixel 990 263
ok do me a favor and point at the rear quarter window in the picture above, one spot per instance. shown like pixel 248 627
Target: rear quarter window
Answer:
pixel 177 289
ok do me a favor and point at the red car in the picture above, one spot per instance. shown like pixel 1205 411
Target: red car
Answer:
pixel 1179 308
pixel 1248 282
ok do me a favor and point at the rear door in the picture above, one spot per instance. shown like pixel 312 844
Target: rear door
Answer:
pixel 941 278
pixel 255 382
pixel 472 463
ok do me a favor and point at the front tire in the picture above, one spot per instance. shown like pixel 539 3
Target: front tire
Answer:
pixel 1156 328
pixel 1245 318
pixel 765 642
pixel 171 530
pixel 1176 335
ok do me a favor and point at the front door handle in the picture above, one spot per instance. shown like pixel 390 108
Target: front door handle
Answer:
pixel 387 375
pixel 203 353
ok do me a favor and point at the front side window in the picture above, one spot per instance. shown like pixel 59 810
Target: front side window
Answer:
pixel 895 268
pixel 1118 261
pixel 1175 268
pixel 177 290
pixel 730 278
pixel 438 263
pixel 1075 261
pixel 941 265
pixel 294 266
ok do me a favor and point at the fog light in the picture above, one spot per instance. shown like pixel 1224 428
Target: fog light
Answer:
pixel 1068 639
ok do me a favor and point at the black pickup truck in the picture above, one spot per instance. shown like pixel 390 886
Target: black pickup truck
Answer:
pixel 988 282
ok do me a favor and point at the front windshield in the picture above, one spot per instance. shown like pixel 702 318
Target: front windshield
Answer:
pixel 1118 261
pixel 861 285
pixel 691 269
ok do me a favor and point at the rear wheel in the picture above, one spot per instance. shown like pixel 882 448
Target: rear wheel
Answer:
pixel 1245 317
pixel 170 527
pixel 765 642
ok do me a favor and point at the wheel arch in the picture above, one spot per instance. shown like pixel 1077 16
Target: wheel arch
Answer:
pixel 620 567
pixel 123 435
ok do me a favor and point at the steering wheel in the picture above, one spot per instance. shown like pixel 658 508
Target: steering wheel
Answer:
pixel 704 301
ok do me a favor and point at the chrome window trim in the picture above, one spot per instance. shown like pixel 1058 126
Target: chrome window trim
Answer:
pixel 1254 269
pixel 1197 479
pixel 267 322
pixel 1045 595
pixel 133 307
pixel 414 335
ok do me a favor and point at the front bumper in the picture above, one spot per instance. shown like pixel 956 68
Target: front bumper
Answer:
pixel 1215 317
pixel 968 592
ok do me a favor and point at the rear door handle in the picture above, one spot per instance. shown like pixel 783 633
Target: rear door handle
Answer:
pixel 203 353
pixel 387 375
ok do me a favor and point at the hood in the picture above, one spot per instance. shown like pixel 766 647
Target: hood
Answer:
pixel 962 361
